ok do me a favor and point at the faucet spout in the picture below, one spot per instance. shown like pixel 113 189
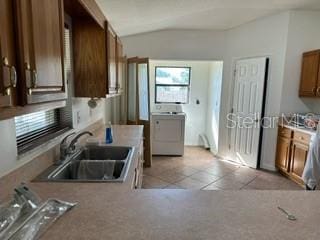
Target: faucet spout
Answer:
pixel 66 150
pixel 72 145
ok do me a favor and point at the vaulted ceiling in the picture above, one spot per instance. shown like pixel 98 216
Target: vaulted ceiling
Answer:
pixel 138 16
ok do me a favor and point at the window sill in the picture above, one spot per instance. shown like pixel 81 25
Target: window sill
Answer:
pixel 49 142
pixel 43 139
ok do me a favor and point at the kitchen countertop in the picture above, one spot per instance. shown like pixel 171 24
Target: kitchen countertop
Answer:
pixel 115 211
pixel 111 213
pixel 301 129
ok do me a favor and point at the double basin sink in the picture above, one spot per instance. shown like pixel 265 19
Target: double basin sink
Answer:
pixel 96 163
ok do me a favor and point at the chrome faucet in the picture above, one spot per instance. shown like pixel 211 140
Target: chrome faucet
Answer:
pixel 64 147
pixel 72 146
pixel 67 149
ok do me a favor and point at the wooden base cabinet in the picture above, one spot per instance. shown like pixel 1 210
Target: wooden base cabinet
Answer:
pixel 283 154
pixel 292 152
pixel 299 153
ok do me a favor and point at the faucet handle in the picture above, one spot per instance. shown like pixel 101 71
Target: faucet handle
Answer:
pixel 64 147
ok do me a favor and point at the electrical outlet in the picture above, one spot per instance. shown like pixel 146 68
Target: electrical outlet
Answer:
pixel 78 117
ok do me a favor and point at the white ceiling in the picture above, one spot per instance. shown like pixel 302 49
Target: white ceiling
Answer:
pixel 137 16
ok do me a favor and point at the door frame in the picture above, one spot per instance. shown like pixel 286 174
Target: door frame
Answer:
pixel 132 60
pixel 264 98
pixel 145 123
pixel 143 60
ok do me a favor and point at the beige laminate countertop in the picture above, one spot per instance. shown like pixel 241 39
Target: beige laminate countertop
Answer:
pixel 108 213
pixel 301 129
pixel 114 211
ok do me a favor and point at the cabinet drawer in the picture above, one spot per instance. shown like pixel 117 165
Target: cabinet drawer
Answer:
pixel 302 137
pixel 284 132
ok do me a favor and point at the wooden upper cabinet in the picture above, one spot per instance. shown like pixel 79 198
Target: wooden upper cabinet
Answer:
pixel 120 59
pixel 81 8
pixel 95 51
pixel 112 61
pixel 310 79
pixel 8 73
pixel 40 32
pixel 90 58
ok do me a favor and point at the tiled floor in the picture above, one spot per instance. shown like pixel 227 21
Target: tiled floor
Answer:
pixel 199 169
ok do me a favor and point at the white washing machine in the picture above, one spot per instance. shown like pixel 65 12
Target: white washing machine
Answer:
pixel 168 133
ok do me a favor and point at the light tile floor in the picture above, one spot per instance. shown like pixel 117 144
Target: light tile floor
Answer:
pixel 199 169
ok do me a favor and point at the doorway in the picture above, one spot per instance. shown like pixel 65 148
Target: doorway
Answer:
pixel 247 112
pixel 138 101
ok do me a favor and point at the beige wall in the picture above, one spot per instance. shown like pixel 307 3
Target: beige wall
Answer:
pixel 282 37
pixel 263 37
pixel 303 35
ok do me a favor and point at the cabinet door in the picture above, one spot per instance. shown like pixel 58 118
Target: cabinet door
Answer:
pixel 40 29
pixel 112 64
pixel 8 74
pixel 283 154
pixel 120 66
pixel 309 74
pixel 299 154
pixel 90 58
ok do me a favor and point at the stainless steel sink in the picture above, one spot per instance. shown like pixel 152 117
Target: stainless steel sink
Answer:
pixel 92 164
pixel 103 153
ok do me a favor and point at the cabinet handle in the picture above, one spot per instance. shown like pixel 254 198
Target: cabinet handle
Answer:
pixel 12 76
pixel 33 79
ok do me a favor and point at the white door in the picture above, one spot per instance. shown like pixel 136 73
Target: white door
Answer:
pixel 248 99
